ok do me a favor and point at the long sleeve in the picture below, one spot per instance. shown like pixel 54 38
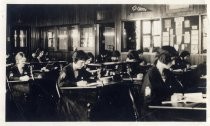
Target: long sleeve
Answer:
pixel 66 77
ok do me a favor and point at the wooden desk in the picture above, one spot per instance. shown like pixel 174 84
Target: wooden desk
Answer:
pixel 93 85
pixel 104 102
pixel 183 106
pixel 179 112
pixel 19 81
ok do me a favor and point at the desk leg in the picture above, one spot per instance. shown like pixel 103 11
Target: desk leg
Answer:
pixel 134 106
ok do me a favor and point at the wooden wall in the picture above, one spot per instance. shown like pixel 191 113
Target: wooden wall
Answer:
pixel 160 11
pixel 195 59
pixel 38 17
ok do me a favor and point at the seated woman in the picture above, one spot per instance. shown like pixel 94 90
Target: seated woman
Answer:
pixel 159 82
pixel 183 61
pixel 21 91
pixel 38 59
pixel 142 60
pixel 115 56
pixel 38 56
pixel 133 63
pixel 103 57
pixel 45 57
pixel 19 71
pixel 132 56
pixel 72 75
pixel 169 49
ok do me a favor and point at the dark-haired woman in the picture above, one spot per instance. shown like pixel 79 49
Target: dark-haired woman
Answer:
pixel 104 56
pixel 71 73
pixel 183 61
pixel 37 57
pixel 115 57
pixel 159 83
pixel 69 107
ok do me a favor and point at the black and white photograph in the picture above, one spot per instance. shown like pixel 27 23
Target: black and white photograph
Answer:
pixel 113 62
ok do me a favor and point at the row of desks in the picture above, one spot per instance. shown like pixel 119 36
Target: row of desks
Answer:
pixel 188 108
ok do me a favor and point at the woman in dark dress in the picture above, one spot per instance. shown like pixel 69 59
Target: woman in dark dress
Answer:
pixel 104 56
pixel 69 106
pixel 183 61
pixel 159 83
pixel 20 72
pixel 38 56
pixel 20 91
pixel 72 73
pixel 115 57
pixel 133 62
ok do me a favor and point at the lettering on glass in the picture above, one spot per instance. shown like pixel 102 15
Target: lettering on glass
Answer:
pixel 15 38
pixel 50 36
pixel 138 8
pixel 22 39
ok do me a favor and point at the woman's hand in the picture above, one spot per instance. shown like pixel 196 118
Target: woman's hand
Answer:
pixel 82 83
pixel 24 78
pixel 45 69
pixel 62 75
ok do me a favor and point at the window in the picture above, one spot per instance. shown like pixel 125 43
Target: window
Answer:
pixel 156 29
pixel 146 27
pixel 63 38
pixel 151 30
pixel 74 37
pixel 50 34
pixel 20 37
pixel 204 34
pixel 51 39
pixel 87 38
pixel 23 38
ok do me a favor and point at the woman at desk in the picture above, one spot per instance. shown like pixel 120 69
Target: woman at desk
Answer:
pixel 104 56
pixel 21 89
pixel 183 61
pixel 159 83
pixel 19 71
pixel 71 75
pixel 38 59
pixel 133 62
pixel 115 56
pixel 38 56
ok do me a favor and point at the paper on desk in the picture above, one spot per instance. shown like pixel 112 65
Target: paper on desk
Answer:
pixel 188 97
pixel 93 84
pixel 193 66
pixel 203 77
pixel 178 70
pixel 194 97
